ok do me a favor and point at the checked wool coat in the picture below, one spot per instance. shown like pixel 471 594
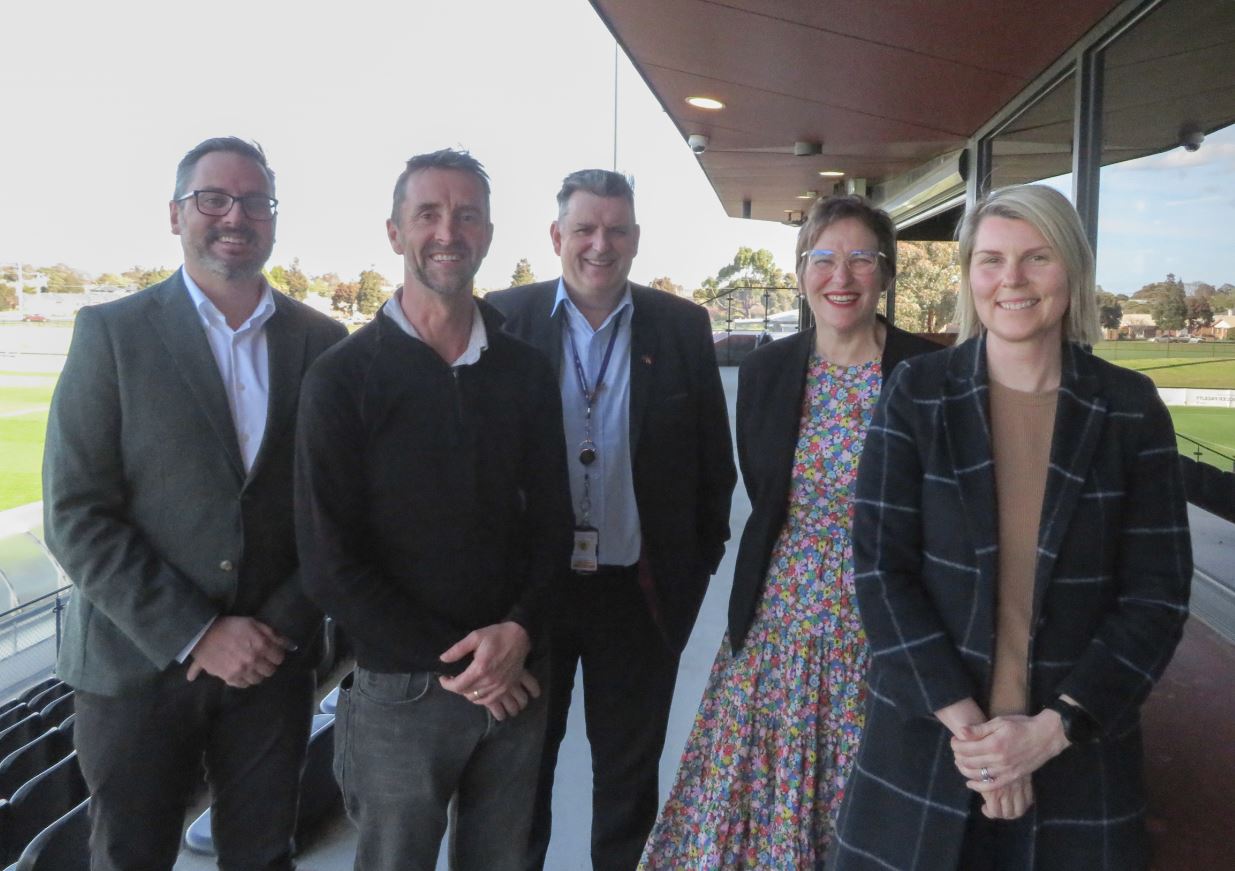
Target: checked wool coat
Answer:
pixel 1110 598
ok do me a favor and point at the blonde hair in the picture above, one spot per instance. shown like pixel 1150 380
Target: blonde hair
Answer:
pixel 1049 212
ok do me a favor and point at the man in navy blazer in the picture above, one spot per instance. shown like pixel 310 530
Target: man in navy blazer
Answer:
pixel 651 473
pixel 167 485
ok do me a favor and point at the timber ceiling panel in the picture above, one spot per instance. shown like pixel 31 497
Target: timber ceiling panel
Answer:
pixel 884 85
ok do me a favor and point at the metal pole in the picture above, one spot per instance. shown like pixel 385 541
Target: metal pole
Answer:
pixel 615 103
pixel 59 607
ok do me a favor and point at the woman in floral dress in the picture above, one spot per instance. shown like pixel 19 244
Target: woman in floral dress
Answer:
pixel 764 769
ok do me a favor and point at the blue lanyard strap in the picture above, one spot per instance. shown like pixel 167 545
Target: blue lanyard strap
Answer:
pixel 590 396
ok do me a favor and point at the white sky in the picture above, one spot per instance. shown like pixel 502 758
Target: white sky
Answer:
pixel 101 99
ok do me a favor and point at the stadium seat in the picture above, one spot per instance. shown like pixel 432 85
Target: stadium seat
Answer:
pixel 15 712
pixel 4 824
pixel 57 710
pixel 46 683
pixel 49 695
pixel 20 734
pixel 62 846
pixel 27 761
pixel 319 793
pixel 66 725
pixel 40 802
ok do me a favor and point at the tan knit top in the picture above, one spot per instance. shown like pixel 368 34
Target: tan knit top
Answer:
pixel 1021 428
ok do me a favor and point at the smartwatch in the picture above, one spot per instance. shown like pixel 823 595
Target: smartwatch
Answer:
pixel 1078 726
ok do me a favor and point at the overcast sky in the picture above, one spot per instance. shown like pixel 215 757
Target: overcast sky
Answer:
pixel 101 99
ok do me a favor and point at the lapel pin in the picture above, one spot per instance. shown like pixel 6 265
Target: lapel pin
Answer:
pixel 647 359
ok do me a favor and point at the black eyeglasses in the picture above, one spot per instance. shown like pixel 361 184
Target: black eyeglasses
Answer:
pixel 256 207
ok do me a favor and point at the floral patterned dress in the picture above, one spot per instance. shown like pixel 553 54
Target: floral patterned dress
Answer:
pixel 764 769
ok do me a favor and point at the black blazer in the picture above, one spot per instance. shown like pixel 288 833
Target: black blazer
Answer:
pixel 771 384
pixel 681 451
pixel 1109 603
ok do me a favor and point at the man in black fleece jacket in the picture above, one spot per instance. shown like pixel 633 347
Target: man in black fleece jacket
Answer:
pixel 431 515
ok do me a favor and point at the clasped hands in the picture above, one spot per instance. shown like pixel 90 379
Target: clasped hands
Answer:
pixel 496 677
pixel 998 756
pixel 240 651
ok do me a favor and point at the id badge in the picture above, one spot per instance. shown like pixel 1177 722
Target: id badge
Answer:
pixel 583 557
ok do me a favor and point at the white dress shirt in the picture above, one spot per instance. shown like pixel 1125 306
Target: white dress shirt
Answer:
pixel 242 357
pixel 244 364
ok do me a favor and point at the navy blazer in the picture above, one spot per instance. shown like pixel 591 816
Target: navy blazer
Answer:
pixel 1110 599
pixel 771 386
pixel 681 451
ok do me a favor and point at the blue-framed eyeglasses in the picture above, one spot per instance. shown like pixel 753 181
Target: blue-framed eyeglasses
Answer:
pixel 858 262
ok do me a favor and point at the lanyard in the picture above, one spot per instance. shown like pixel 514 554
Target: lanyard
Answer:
pixel 590 396
pixel 587 449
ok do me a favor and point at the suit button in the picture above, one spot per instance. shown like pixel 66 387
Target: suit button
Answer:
pixel 226 565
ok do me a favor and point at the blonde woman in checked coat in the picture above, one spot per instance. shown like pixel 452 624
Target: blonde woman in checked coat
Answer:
pixel 1023 568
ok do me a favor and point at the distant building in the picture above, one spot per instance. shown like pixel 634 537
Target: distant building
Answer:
pixel 1137 326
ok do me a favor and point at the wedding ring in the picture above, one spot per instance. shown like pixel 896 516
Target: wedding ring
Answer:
pixel 986 775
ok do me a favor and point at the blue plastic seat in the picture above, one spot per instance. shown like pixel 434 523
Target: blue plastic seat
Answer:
pixel 31 759
pixel 57 710
pixel 40 802
pixel 13 713
pixel 319 792
pixel 62 846
pixel 21 733
pixel 31 692
pixel 49 695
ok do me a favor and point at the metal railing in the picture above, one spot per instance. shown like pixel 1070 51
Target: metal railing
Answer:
pixel 30 640
pixel 1203 453
pixel 742 335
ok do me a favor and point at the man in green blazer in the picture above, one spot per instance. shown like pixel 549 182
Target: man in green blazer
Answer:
pixel 167 499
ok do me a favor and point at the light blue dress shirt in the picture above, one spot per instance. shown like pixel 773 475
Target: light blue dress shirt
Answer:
pixel 614 512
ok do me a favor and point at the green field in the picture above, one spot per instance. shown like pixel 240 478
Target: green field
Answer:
pixel 1214 428
pixel 24 397
pixel 1208 364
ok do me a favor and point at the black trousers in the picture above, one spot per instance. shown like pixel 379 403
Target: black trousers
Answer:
pixel 139 754
pixel 603 622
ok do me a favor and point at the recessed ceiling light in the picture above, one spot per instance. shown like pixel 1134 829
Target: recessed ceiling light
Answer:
pixel 705 103
pixel 831 173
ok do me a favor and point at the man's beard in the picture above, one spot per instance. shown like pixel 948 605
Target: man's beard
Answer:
pixel 443 286
pixel 234 270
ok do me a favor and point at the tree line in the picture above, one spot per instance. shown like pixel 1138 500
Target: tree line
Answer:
pixel 1171 303
pixel 750 285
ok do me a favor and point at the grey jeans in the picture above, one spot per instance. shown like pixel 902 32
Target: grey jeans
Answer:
pixel 404 747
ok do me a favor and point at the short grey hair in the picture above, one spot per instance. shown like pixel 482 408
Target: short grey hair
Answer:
pixel 1049 212
pixel 599 182
pixel 445 158
pixel 231 144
